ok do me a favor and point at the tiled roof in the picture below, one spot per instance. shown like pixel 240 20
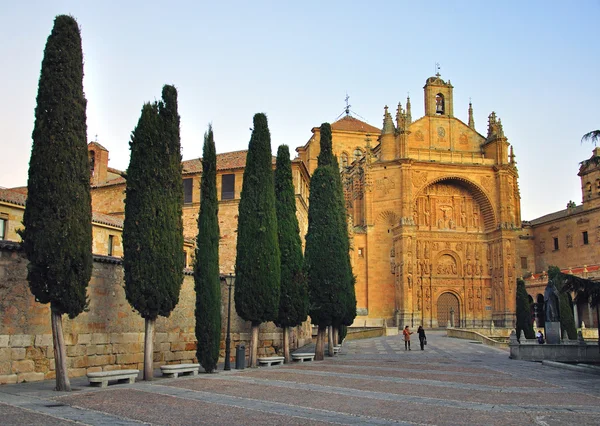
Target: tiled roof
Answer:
pixel 115 171
pixel 225 161
pixel 556 215
pixel 351 124
pixel 98 145
pixel 12 196
pixel 118 181
pixel 107 219
pixel 20 189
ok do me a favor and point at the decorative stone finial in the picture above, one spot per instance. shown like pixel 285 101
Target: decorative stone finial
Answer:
pixel 494 127
pixel 388 123
pixel 471 120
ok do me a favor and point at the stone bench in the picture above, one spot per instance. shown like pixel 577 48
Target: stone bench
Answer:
pixel 175 370
pixel 101 378
pixel 271 360
pixel 301 357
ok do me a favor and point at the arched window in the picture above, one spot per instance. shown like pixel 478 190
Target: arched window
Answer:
pixel 344 159
pixel 588 187
pixel 92 158
pixel 439 104
pixel 357 153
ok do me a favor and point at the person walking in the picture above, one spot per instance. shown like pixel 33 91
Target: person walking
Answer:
pixel 422 338
pixel 406 332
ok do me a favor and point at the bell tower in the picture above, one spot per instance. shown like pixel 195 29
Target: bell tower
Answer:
pixel 438 97
pixel 589 172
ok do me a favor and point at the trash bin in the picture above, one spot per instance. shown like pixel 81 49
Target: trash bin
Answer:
pixel 240 357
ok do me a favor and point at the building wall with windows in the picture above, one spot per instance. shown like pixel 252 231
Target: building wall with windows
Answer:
pixel 108 197
pixel 569 239
pixel 11 214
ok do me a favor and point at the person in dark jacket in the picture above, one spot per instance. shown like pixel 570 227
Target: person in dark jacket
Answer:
pixel 422 338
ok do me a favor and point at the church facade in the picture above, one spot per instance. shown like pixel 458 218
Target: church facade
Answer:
pixel 434 210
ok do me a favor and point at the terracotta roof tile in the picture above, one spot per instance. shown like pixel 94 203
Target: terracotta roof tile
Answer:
pixel 351 124
pixel 106 219
pixel 12 196
pixel 225 161
pixel 115 171
pixel 118 181
pixel 98 145
pixel 556 215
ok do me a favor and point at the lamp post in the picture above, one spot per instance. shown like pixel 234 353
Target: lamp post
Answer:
pixel 229 280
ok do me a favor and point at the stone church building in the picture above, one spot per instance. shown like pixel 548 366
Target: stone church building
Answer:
pixel 434 208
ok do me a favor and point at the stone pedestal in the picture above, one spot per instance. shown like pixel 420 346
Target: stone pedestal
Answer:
pixel 552 332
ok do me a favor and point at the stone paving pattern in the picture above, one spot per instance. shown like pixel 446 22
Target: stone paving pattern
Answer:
pixel 372 382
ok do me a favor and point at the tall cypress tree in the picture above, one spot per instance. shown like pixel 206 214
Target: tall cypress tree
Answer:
pixel 331 288
pixel 57 238
pixel 153 227
pixel 565 304
pixel 258 264
pixel 524 321
pixel 206 267
pixel 326 157
pixel 293 300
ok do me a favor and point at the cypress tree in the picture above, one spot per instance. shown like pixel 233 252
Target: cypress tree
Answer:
pixel 331 284
pixel 565 305
pixel 258 264
pixel 524 321
pixel 206 267
pixel 293 300
pixel 348 281
pixel 57 238
pixel 153 228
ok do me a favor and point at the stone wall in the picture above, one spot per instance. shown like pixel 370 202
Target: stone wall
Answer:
pixel 110 334
pixel 567 351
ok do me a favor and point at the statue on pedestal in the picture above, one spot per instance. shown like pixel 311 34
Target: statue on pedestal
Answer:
pixel 551 302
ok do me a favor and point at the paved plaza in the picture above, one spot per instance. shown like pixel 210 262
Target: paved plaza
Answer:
pixel 371 382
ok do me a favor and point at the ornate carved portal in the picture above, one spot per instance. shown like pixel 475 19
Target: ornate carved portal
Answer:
pixel 447 257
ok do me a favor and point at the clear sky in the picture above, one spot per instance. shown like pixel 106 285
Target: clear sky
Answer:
pixel 533 62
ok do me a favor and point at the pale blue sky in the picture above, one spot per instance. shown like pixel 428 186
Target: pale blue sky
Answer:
pixel 533 62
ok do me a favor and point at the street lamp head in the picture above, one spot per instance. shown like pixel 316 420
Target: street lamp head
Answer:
pixel 229 279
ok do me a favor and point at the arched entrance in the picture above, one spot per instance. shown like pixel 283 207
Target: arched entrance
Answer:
pixel 448 309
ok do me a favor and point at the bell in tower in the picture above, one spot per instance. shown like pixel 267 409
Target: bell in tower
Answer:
pixel 438 97
pixel 439 104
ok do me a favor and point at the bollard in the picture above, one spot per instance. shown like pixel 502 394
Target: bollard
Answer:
pixel 240 357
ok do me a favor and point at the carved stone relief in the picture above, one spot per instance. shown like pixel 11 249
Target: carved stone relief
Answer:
pixel 419 178
pixel 446 265
pixel 385 185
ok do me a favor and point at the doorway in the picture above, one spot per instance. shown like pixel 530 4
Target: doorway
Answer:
pixel 448 308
